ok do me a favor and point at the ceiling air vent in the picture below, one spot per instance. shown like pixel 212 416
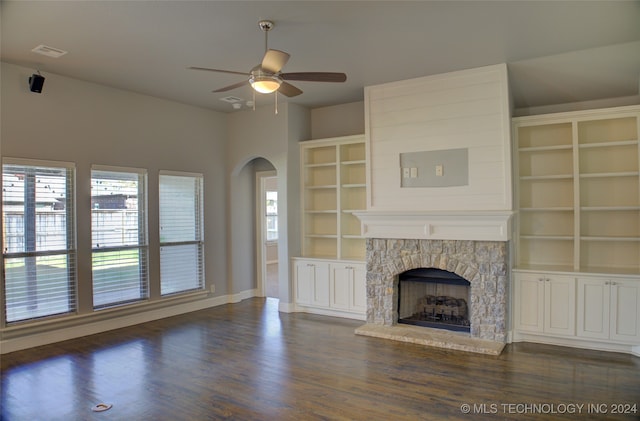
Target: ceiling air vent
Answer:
pixel 231 99
pixel 49 51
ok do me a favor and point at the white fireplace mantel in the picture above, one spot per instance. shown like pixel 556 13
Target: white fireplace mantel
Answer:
pixel 450 225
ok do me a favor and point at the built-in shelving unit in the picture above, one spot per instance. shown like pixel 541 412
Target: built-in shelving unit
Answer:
pixel 330 277
pixel 578 191
pixel 334 187
pixel 577 269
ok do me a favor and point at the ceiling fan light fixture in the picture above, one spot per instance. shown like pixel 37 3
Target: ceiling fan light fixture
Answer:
pixel 265 84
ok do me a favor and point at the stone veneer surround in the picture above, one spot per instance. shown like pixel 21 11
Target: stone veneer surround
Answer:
pixel 483 263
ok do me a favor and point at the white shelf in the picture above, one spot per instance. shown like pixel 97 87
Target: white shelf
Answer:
pixel 610 174
pixel 630 239
pixel 578 178
pixel 333 188
pixel 547 177
pixel 608 144
pixel 609 208
pixel 548 237
pixel 322 165
pixel 545 148
pixel 549 209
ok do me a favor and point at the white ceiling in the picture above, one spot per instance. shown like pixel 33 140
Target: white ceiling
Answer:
pixel 557 51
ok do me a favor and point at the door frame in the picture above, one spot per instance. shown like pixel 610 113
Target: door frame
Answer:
pixel 261 243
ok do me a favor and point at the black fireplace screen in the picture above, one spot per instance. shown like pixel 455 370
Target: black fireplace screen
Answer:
pixel 434 298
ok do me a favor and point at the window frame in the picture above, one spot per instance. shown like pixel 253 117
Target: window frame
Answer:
pixel 199 224
pixel 70 238
pixel 143 237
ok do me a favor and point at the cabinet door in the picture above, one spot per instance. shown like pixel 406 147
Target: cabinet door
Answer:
pixel 341 280
pixel 625 310
pixel 529 297
pixel 359 289
pixel 303 275
pixel 593 308
pixel 560 305
pixel 312 283
pixel 320 286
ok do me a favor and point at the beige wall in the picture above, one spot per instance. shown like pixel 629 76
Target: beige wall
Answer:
pixel 274 137
pixel 89 124
pixel 338 120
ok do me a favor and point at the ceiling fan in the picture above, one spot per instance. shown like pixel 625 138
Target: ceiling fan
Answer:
pixel 267 77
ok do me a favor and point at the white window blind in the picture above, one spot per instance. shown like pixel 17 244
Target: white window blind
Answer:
pixel 119 236
pixel 38 227
pixel 181 233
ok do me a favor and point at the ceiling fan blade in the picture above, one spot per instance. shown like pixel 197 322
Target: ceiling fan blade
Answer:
pixel 315 76
pixel 234 86
pixel 274 60
pixel 289 90
pixel 219 70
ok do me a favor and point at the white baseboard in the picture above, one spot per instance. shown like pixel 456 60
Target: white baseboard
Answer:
pixel 330 312
pixel 95 323
pixel 286 307
pixel 578 343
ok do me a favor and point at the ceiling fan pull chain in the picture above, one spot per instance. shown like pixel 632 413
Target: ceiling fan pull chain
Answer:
pixel 275 94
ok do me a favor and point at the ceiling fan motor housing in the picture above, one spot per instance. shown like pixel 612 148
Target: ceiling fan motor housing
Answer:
pixel 265 25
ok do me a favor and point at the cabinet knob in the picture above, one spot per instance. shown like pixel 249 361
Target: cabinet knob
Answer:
pixel 613 283
pixel 606 283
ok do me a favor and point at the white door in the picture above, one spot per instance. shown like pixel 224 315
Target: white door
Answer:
pixel 529 295
pixel 341 281
pixel 593 308
pixel 560 305
pixel 625 310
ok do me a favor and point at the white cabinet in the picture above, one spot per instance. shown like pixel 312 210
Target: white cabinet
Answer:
pixel 545 303
pixel 609 308
pixel 330 275
pixel 336 287
pixel 347 286
pixel 311 282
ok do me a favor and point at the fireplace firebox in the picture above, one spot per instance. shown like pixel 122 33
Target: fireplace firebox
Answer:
pixel 434 298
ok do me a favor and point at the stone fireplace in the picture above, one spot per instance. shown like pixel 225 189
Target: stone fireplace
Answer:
pixel 470 245
pixel 483 263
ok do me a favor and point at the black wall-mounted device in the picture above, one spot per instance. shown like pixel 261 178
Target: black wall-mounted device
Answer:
pixel 35 83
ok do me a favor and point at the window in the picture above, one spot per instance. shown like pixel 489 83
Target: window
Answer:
pixel 181 233
pixel 39 250
pixel 272 215
pixel 119 236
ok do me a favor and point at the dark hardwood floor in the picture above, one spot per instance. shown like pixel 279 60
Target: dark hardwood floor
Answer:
pixel 246 361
